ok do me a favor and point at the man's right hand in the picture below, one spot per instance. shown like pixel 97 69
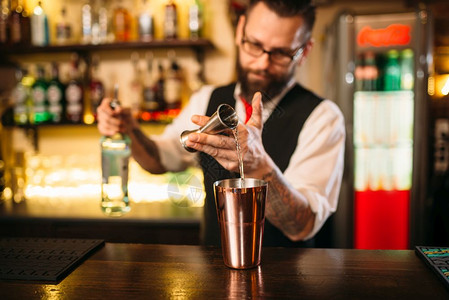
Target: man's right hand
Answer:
pixel 110 121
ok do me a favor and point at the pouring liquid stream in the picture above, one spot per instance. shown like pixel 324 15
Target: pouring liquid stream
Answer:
pixel 239 155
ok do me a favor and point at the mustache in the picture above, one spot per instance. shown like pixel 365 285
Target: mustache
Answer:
pixel 260 72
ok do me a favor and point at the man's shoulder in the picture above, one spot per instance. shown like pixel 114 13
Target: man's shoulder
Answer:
pixel 303 91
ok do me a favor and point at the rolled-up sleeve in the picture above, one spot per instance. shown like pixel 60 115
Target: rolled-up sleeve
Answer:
pixel 173 156
pixel 316 166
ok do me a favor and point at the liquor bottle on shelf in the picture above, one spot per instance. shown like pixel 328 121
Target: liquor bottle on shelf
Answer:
pixel 74 93
pixel 63 28
pixel 170 21
pixel 86 23
pixel 150 105
pixel 21 99
pixel 115 153
pixel 39 26
pixel 39 95
pixel 135 96
pixel 27 81
pixel 99 23
pixel 96 86
pixel 392 73
pixel 173 86
pixel 4 26
pixel 19 24
pixel 55 95
pixel 407 78
pixel 195 20
pixel 146 23
pixel 159 88
pixel 121 23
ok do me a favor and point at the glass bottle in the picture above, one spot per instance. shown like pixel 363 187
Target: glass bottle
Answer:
pixel 28 82
pixel 159 88
pixel 63 28
pixel 96 87
pixel 39 94
pixel 99 23
pixel 86 23
pixel 55 95
pixel 19 24
pixel 74 94
pixel 149 103
pixel 20 96
pixel 136 86
pixel 370 72
pixel 4 15
pixel 359 73
pixel 392 74
pixel 122 23
pixel 195 20
pixel 173 86
pixel 407 75
pixel 115 153
pixel 39 26
pixel 170 21
pixel 146 23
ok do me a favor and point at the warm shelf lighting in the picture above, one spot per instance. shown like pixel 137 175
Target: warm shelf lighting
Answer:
pixel 445 89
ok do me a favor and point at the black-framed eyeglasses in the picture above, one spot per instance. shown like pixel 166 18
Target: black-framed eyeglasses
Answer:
pixel 277 56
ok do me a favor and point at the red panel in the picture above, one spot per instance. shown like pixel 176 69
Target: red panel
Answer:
pixel 381 219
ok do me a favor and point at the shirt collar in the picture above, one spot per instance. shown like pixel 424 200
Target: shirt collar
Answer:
pixel 269 106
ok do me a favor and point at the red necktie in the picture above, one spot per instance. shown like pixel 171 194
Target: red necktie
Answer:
pixel 248 109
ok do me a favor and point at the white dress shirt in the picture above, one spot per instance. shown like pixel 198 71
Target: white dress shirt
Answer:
pixel 315 168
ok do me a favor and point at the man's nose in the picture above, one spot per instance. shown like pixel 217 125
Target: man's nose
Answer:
pixel 263 62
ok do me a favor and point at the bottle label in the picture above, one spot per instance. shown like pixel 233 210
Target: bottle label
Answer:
pixel 38 95
pixel 73 93
pixel 75 109
pixel 19 95
pixel 54 94
pixel 172 91
pixel 56 112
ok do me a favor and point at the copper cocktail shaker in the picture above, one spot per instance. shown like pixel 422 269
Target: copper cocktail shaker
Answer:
pixel 240 207
pixel 224 118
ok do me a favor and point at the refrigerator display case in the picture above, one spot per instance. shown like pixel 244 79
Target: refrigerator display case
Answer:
pixel 380 83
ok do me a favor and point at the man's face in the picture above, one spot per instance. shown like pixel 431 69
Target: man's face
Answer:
pixel 261 32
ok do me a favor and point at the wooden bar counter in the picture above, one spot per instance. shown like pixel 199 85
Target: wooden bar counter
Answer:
pixel 142 271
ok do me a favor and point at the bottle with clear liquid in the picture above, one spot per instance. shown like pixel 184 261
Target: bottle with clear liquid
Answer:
pixel 39 26
pixel 115 153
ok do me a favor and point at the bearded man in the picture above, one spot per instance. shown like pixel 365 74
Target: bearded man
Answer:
pixel 289 137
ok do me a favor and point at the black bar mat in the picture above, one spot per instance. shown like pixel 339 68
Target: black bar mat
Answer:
pixel 437 259
pixel 43 259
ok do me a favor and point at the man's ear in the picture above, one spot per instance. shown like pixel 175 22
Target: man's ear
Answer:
pixel 307 48
pixel 239 29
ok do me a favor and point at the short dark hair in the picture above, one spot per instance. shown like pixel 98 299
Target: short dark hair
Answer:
pixel 290 8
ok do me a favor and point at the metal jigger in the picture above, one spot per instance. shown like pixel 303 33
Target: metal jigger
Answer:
pixel 224 118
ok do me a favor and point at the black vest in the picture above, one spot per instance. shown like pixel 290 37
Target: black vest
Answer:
pixel 280 138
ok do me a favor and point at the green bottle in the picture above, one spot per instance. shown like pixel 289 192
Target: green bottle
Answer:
pixel 115 153
pixel 392 77
pixel 39 95
pixel 407 74
pixel 55 95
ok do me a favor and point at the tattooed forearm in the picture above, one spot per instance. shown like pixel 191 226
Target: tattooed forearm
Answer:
pixel 145 152
pixel 149 146
pixel 286 208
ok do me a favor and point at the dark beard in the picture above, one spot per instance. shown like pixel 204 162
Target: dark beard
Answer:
pixel 269 89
